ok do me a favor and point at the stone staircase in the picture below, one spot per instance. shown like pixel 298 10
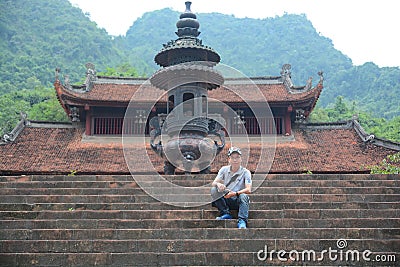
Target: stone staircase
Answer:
pixel 109 220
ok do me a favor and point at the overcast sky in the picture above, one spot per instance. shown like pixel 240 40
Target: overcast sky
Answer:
pixel 364 30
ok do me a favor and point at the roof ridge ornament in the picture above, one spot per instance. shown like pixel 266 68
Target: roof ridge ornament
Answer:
pixel 321 78
pixel 11 136
pixel 365 137
pixel 90 76
pixel 57 73
pixel 286 74
pixel 309 83
pixel 67 83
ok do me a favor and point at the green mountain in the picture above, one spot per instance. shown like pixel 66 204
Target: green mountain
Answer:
pixel 255 47
pixel 259 47
pixel 36 36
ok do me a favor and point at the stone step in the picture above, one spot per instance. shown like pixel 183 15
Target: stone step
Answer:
pixel 199 214
pixel 69 184
pixel 185 246
pixel 207 177
pixel 332 183
pixel 143 198
pixel 202 190
pixel 190 259
pixel 197 233
pixel 159 205
pixel 389 222
pixel 193 183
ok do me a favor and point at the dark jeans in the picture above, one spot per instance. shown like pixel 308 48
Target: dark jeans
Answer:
pixel 241 203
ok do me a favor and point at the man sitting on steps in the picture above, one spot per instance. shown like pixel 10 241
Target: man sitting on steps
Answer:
pixel 231 187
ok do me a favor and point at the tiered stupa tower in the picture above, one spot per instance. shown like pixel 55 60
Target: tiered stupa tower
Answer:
pixel 187 74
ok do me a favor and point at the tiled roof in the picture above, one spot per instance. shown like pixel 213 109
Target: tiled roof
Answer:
pixel 123 93
pixel 61 150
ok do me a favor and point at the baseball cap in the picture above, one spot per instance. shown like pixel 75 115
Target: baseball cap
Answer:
pixel 234 150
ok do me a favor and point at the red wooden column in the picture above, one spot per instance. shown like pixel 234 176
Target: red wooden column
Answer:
pixel 88 120
pixel 288 124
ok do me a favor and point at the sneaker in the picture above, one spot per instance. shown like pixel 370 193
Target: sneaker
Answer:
pixel 241 224
pixel 224 217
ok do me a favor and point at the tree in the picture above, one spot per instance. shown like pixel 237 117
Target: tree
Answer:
pixel 123 70
pixel 380 127
pixel 9 112
pixel 39 104
pixel 48 110
pixel 390 165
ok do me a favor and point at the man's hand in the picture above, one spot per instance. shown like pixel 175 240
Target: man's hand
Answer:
pixel 230 194
pixel 221 187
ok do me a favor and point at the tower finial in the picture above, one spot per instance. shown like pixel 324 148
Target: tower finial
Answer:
pixel 188 3
pixel 187 24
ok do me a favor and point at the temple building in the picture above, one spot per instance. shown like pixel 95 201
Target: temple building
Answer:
pixel 91 142
pixel 101 103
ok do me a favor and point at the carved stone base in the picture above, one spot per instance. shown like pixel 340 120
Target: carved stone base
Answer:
pixel 169 169
pixel 206 170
